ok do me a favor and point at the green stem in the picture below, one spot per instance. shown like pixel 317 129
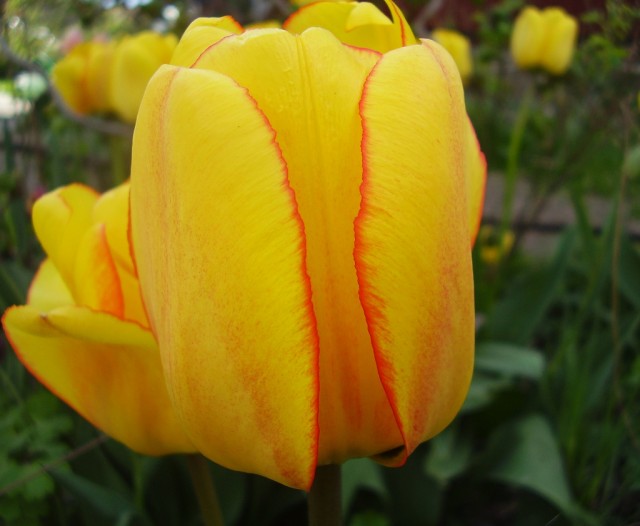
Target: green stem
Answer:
pixel 119 160
pixel 205 490
pixel 325 497
pixel 138 481
pixel 513 158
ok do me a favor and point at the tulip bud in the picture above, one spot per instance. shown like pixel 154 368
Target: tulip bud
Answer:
pixel 459 48
pixel 82 77
pixel 544 39
pixel 136 59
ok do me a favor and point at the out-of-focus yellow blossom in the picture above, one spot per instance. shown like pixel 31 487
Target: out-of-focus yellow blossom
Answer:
pixel 458 47
pixel 83 76
pixel 492 249
pixel 136 59
pixel 544 39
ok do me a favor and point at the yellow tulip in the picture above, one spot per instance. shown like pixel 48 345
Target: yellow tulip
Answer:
pixel 200 34
pixel 459 48
pixel 136 58
pixel 302 215
pixel 492 249
pixel 82 77
pixel 84 332
pixel 544 39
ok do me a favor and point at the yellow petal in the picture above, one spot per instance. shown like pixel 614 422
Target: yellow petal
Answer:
pixel 265 24
pixel 476 175
pixel 318 127
pixel 366 14
pixel 202 33
pixel 68 76
pixel 135 60
pixel 97 75
pixel 561 33
pixel 412 237
pixel 96 280
pixel 60 220
pixel 107 370
pixel 527 37
pixel 458 47
pixel 47 290
pixel 220 252
pixel 112 210
pixel 358 24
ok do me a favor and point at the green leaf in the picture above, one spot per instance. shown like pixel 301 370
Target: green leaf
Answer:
pixel 105 501
pixel 482 391
pixel 361 473
pixel 369 518
pixel 14 281
pixel 509 360
pixel 449 456
pixel 629 275
pixel 525 453
pixel 526 302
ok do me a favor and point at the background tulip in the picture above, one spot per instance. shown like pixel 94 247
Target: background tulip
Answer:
pixel 84 332
pixel 136 59
pixel 200 34
pixel 458 47
pixel 302 220
pixel 544 38
pixel 82 77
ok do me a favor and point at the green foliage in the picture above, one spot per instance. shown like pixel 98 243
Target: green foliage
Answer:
pixel 32 431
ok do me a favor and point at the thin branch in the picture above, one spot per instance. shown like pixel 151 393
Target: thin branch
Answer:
pixel 94 123
pixel 46 468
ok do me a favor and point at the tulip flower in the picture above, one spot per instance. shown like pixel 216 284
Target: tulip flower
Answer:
pixel 493 247
pixel 136 58
pixel 82 77
pixel 84 332
pixel 544 39
pixel 302 215
pixel 458 47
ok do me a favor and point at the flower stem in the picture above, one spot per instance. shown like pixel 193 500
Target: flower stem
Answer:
pixel 205 490
pixel 513 158
pixel 325 497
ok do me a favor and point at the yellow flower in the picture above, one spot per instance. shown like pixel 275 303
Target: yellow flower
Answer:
pixel 82 77
pixel 459 48
pixel 136 59
pixel 302 215
pixel 492 250
pixel 84 333
pixel 544 39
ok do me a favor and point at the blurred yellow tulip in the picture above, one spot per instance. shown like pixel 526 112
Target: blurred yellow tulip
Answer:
pixel 82 77
pixel 136 59
pixel 84 332
pixel 302 215
pixel 493 250
pixel 544 39
pixel 202 33
pixel 458 47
